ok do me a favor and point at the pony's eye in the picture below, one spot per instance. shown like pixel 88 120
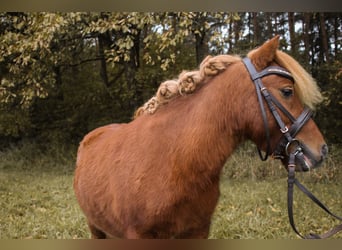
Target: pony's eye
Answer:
pixel 287 92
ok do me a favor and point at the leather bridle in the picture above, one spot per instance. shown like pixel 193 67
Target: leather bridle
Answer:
pixel 289 135
pixel 288 146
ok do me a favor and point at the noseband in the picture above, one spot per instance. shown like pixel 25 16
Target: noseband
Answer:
pixel 288 146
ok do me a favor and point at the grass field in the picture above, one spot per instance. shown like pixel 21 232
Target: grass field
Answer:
pixel 37 199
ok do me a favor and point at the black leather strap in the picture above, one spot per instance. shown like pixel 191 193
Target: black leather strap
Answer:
pixel 293 131
pixel 300 121
pixel 256 80
pixel 293 181
pixel 270 100
pixel 273 70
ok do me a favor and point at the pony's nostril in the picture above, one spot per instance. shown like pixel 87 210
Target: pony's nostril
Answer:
pixel 324 150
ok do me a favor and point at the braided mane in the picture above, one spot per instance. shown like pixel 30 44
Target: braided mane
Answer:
pixel 187 82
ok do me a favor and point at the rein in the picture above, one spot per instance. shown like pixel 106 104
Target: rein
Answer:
pixel 292 147
pixel 293 181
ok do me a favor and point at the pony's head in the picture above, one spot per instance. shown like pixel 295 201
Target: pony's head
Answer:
pixel 285 94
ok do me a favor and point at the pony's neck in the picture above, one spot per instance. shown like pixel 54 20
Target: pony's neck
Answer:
pixel 212 122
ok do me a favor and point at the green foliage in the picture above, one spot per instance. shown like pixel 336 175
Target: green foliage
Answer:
pixel 62 74
pixel 13 121
pixel 26 56
pixel 329 113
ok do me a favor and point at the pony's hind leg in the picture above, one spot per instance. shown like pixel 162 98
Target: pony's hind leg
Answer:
pixel 96 233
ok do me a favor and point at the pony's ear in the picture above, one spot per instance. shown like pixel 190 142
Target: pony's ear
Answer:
pixel 264 55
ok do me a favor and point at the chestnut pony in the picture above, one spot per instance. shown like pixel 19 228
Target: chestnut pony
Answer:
pixel 158 175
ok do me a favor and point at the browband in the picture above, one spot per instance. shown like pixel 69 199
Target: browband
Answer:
pixel 273 70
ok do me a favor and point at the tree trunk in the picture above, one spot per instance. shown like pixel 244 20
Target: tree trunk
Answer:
pixel 269 25
pixel 201 47
pixel 324 38
pixel 230 36
pixel 337 33
pixel 306 35
pixel 256 30
pixel 58 78
pixel 103 69
pixel 131 69
pixel 293 41
pixel 237 29
pixel 249 24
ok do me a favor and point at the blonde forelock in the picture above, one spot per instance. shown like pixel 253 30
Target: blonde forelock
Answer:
pixel 305 86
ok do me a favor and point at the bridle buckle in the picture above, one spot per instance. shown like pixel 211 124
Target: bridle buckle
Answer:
pixel 284 130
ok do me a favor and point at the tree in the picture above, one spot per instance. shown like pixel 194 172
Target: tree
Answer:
pixel 293 41
pixel 324 38
pixel 104 65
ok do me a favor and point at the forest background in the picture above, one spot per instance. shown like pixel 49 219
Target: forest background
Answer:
pixel 64 74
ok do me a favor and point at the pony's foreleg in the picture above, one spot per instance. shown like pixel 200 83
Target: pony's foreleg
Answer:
pixel 198 233
pixel 133 234
pixel 96 233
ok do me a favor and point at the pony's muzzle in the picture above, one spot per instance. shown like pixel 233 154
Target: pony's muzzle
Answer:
pixel 305 159
pixel 309 161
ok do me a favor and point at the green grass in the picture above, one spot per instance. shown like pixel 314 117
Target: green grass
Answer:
pixel 36 195
pixel 37 199
pixel 258 210
pixel 40 206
